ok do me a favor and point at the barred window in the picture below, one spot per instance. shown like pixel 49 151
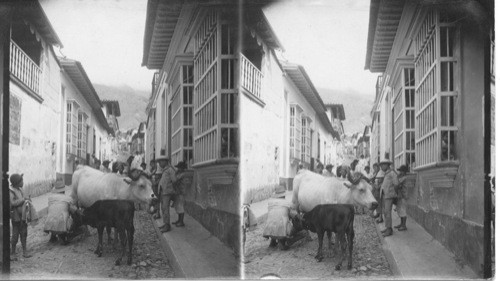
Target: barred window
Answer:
pixel 182 116
pixel 72 127
pixel 404 119
pixel 436 93
pixel 295 131
pixel 82 135
pixel 215 74
pixel 306 140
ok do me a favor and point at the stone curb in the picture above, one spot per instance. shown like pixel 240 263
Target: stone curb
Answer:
pixel 173 260
pixel 388 254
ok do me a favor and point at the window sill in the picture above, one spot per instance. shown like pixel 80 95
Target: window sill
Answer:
pixel 253 97
pixel 217 162
pixel 437 165
pixel 439 175
pixel 218 172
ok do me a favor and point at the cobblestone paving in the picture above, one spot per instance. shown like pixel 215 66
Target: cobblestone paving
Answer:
pixel 77 260
pixel 369 260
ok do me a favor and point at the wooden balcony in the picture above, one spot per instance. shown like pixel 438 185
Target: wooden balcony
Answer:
pixel 251 77
pixel 24 69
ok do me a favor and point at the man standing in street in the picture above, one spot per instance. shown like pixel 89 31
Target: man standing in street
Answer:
pixel 155 180
pixel 389 194
pixel 182 181
pixel 19 226
pixel 402 192
pixel 376 180
pixel 166 185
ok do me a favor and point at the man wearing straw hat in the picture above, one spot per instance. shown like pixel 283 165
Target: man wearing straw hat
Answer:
pixel 59 222
pixel 166 185
pixel 388 187
pixel 278 226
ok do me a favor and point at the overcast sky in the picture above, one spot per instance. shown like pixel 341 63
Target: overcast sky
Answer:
pixel 327 37
pixel 105 36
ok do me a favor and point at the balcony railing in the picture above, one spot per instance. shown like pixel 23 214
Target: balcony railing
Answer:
pixel 251 77
pixel 24 69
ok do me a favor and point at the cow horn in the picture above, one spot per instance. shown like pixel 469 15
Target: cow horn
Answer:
pixel 356 178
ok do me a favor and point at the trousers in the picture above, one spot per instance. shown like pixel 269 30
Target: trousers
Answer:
pixel 388 202
pixel 19 228
pixel 165 206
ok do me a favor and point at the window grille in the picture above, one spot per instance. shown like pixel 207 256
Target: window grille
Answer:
pixel 295 131
pixel 404 119
pixel 82 135
pixel 215 90
pixel 436 93
pixel 182 117
pixel 306 140
pixel 72 127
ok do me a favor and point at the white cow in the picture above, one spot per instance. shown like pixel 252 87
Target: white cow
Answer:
pixel 311 189
pixel 90 185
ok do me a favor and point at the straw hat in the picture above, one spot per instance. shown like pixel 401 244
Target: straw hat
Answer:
pixel 162 157
pixel 59 186
pixel 386 161
pixel 279 192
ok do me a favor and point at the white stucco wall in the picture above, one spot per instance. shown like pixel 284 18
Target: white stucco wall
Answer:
pixel 262 133
pixel 265 133
pixel 37 152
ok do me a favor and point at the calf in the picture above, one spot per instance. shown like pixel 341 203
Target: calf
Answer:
pixel 337 218
pixel 112 213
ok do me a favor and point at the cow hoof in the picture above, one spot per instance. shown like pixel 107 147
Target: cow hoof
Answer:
pixel 349 266
pixel 337 267
pixel 118 261
pixel 129 261
pixel 319 258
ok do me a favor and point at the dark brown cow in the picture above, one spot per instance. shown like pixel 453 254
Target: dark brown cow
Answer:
pixel 111 213
pixel 337 218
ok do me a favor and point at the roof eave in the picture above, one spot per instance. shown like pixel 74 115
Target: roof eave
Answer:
pixel 374 5
pixel 385 17
pixel 94 100
pixel 33 11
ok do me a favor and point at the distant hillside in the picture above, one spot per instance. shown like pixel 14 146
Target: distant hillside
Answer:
pixel 132 103
pixel 357 107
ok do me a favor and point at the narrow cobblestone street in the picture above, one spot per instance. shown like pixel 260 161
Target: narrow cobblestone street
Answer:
pixel 77 260
pixel 298 262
